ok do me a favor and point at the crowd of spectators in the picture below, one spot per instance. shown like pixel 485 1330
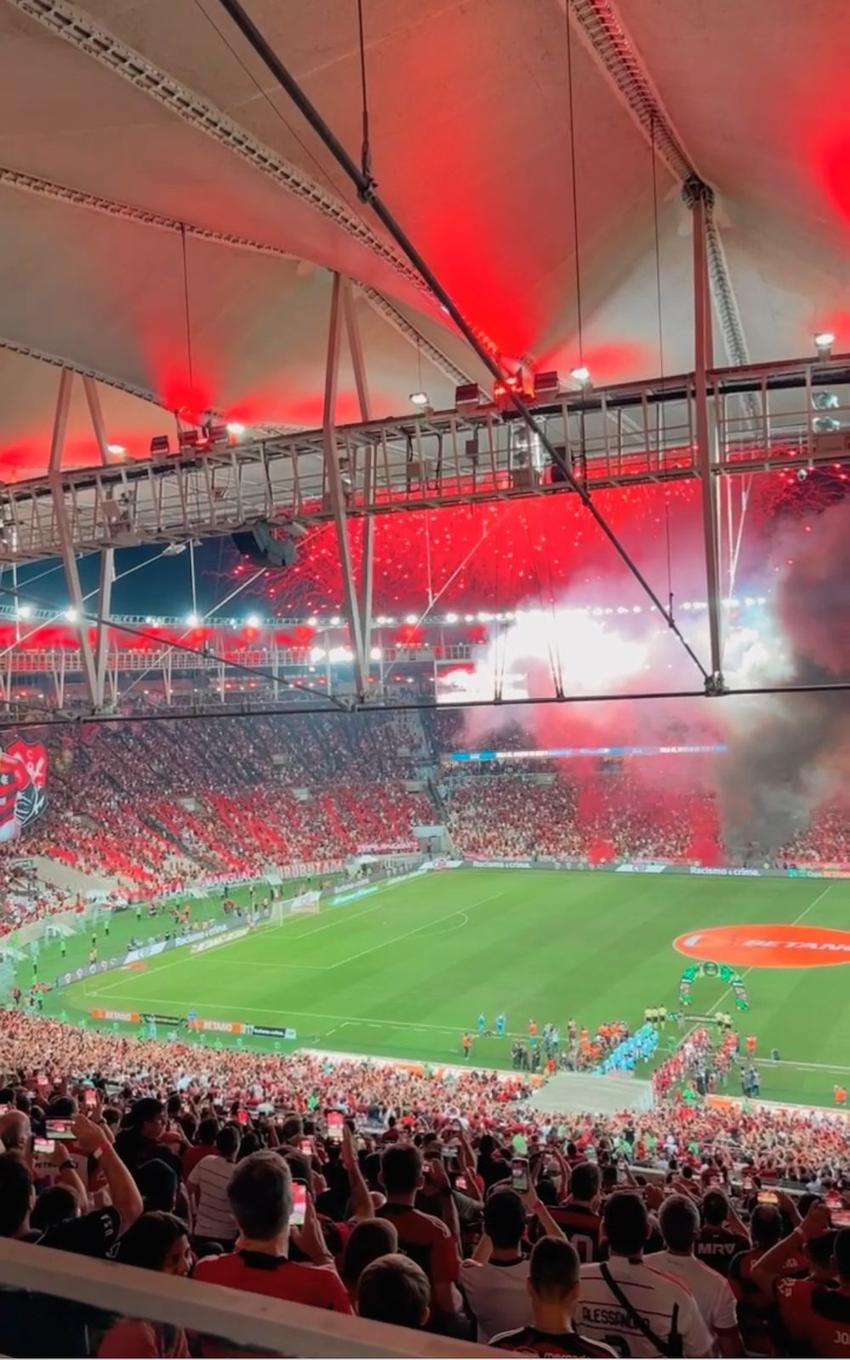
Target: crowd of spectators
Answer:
pixel 149 809
pixel 447 1205
pixel 519 810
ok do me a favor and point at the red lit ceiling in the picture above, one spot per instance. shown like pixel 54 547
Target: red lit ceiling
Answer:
pixel 469 116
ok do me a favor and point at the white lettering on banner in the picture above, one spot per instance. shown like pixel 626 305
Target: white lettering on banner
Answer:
pixel 501 864
pixel 815 946
pixel 711 871
pixel 642 867
pixel 227 938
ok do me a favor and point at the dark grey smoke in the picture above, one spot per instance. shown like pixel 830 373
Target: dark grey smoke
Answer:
pixel 787 752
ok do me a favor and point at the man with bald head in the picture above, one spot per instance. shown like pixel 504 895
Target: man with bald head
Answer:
pixel 15 1131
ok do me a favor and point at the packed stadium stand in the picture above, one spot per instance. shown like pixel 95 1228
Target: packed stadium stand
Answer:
pixel 179 1156
pixel 157 811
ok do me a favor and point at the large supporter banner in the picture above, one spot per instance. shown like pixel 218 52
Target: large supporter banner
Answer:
pixel 23 786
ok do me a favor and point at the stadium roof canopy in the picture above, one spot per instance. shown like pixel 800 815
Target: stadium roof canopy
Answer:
pixel 152 172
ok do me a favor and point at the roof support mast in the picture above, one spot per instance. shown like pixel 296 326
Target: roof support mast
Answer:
pixel 93 659
pixel 698 195
pixel 355 345
pixel 333 481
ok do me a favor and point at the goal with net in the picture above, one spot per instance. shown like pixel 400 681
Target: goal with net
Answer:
pixel 303 904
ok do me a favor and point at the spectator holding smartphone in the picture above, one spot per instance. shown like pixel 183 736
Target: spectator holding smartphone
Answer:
pixel 260 1195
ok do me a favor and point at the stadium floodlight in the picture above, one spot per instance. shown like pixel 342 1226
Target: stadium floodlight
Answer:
pixel 335 621
pixel 117 450
pixel 581 375
pixel 192 620
pixel 451 618
pixel 419 399
pixel 375 653
pixel 24 611
pixel 411 619
pixel 235 428
pixel 824 340
pixel 253 621
pixel 71 614
pixel 312 621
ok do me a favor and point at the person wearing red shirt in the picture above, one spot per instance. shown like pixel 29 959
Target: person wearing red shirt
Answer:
pixel 429 1241
pixel 260 1194
pixel 799 1298
pixel 815 1315
pixel 722 1236
pixel 756 1312
pixel 578 1217
pixel 205 1147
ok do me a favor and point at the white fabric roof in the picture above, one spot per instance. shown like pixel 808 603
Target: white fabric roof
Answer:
pixel 469 117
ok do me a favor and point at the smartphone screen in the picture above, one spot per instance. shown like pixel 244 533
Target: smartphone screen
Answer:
pixel 242 1117
pixel 306 1146
pixel 460 1183
pixel 44 1147
pixel 299 1203
pixel 768 1197
pixel 519 1174
pixel 91 1098
pixel 839 1216
pixel 60 1129
pixel 335 1125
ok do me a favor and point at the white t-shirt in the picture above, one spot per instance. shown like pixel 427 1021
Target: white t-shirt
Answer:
pixel 654 1295
pixel 711 1290
pixel 214 1218
pixel 497 1295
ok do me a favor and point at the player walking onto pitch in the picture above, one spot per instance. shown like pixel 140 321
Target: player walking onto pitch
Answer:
pixel 467 1046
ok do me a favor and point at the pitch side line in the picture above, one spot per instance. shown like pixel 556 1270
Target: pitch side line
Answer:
pixel 373 1021
pixel 342 1021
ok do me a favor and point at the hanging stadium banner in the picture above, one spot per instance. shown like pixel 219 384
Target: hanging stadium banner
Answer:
pixel 721 971
pixel 23 786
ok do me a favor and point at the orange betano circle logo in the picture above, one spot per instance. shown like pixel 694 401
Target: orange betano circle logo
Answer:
pixel 759 946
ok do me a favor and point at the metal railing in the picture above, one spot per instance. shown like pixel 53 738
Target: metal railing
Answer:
pixel 245 1320
pixel 791 414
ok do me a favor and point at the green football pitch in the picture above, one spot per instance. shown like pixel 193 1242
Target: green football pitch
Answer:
pixel 403 970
